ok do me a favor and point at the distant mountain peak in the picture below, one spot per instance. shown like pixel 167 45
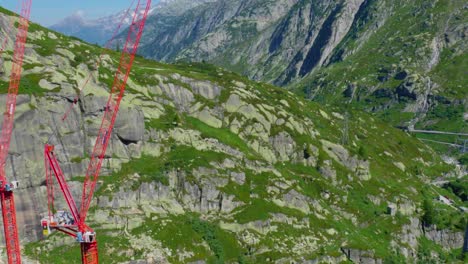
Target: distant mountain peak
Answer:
pixel 97 30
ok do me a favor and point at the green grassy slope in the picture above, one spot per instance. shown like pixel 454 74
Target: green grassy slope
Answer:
pixel 311 187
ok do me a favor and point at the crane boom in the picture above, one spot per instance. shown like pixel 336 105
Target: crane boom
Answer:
pixel 112 107
pixel 16 69
pixel 7 197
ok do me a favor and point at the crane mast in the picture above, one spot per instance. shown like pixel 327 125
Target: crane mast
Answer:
pixel 6 189
pixel 77 227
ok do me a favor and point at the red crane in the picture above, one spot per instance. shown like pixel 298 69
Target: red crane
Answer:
pixel 6 189
pixel 75 224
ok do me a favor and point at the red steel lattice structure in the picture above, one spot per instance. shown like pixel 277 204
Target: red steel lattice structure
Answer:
pixel 6 189
pixel 79 229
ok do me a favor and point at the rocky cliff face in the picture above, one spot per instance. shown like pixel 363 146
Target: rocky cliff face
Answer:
pixel 206 166
pixel 276 41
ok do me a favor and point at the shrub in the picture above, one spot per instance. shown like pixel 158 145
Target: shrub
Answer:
pixel 208 233
pixel 460 188
pixel 428 216
pixel 362 152
pixel 463 160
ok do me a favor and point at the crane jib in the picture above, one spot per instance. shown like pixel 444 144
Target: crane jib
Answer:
pixel 115 97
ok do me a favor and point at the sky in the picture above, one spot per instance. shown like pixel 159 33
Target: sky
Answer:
pixel 49 12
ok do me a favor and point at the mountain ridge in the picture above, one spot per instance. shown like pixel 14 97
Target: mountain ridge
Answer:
pixel 100 30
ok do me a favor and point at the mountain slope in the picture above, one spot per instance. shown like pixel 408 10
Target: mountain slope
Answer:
pixel 385 57
pixel 266 40
pixel 404 61
pixel 205 165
